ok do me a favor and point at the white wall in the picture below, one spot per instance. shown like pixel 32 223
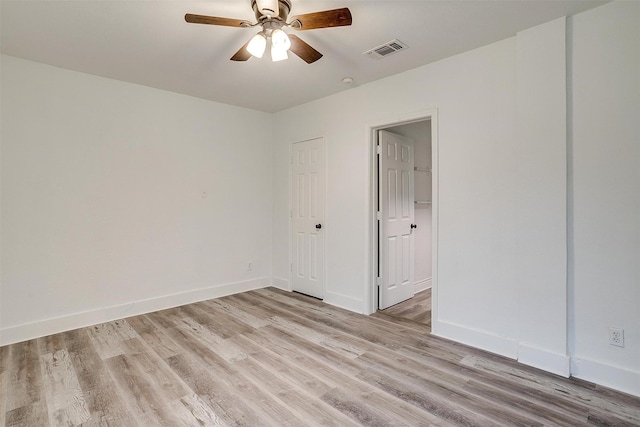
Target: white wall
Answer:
pixel 605 147
pixel 102 207
pixel 487 160
pixel 542 196
pixel 475 97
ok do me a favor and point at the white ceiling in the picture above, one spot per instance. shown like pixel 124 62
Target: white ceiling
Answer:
pixel 149 43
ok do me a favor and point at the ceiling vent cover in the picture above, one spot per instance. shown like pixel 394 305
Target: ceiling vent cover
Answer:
pixel 387 49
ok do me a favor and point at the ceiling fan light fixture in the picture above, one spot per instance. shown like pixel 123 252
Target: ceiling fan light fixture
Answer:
pixel 268 7
pixel 257 45
pixel 278 54
pixel 280 40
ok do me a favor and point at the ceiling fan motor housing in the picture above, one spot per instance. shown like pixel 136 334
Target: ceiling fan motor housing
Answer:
pixel 283 11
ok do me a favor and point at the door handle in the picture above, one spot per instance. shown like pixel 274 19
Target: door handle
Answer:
pixel 414 226
pixel 318 226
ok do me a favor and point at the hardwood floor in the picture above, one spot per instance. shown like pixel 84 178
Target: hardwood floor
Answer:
pixel 272 358
pixel 417 308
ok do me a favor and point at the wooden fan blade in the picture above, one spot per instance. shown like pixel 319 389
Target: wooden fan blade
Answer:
pixel 303 50
pixel 242 54
pixel 214 20
pixel 326 19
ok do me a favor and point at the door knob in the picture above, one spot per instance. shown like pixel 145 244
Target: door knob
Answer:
pixel 414 226
pixel 318 226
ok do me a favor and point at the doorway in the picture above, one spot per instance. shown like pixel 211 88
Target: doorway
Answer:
pixel 419 301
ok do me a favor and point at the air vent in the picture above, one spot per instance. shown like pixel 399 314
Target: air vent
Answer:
pixel 386 49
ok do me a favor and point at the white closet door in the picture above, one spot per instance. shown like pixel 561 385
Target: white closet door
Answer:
pixel 397 219
pixel 308 199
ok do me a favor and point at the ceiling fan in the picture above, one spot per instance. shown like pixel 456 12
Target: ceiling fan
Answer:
pixel 272 16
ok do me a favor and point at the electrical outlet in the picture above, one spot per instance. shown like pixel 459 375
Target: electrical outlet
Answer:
pixel 249 266
pixel 616 337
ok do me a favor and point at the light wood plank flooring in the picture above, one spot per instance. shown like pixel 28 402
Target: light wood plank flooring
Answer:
pixel 271 358
pixel 417 308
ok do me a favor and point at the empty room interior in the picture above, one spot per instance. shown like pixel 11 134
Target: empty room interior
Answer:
pixel 322 212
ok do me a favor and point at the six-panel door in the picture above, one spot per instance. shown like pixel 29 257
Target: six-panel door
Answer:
pixel 307 224
pixel 397 219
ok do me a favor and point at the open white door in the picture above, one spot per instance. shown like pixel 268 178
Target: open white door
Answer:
pixel 396 219
pixel 307 217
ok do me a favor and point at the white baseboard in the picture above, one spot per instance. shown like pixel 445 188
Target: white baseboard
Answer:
pixel 555 363
pixel 280 283
pixel 607 375
pixel 422 285
pixel 346 302
pixel 483 340
pixel 14 334
pixel 610 376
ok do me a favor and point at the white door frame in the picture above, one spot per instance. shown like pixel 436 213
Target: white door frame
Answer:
pixel 371 239
pixel 324 211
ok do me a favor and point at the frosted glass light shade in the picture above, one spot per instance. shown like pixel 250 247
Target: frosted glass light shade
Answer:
pixel 278 54
pixel 280 40
pixel 268 7
pixel 257 45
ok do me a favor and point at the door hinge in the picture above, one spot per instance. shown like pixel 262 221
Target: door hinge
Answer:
pixel 378 149
pixel 378 281
pixel 291 267
pixel 378 215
